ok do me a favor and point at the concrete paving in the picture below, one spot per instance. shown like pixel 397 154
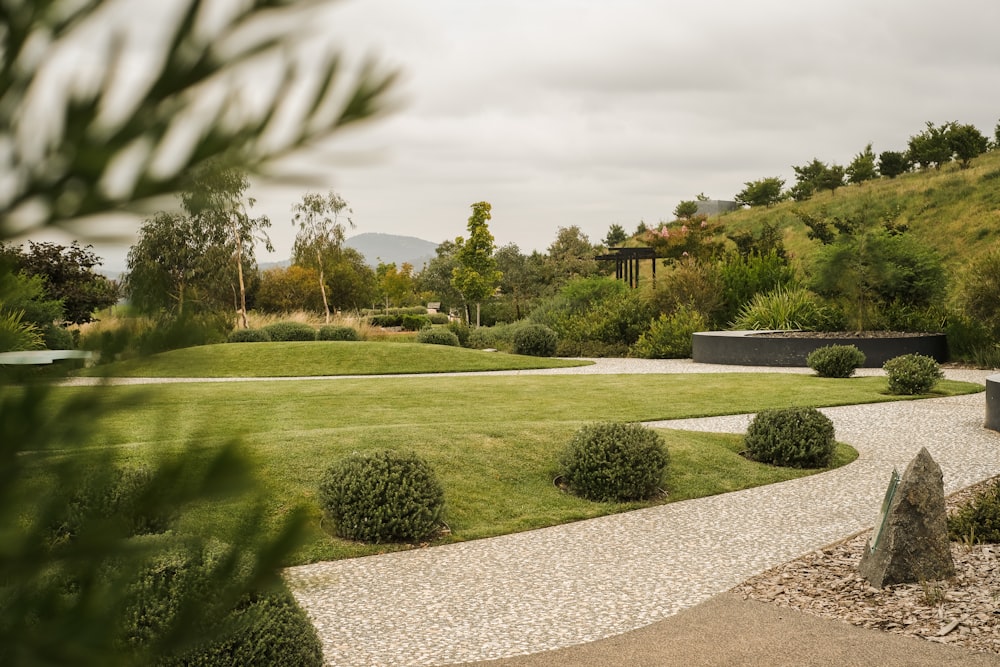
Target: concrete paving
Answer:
pixel 561 589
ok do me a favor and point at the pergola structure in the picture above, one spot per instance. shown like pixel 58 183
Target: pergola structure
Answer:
pixel 627 263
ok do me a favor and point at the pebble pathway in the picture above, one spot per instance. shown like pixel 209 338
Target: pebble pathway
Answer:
pixel 575 583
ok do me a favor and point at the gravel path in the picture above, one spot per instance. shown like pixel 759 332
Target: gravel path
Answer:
pixel 579 582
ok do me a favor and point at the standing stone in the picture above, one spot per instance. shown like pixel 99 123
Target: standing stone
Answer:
pixel 913 545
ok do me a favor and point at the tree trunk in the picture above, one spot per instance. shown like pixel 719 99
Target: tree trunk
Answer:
pixel 477 314
pixel 239 271
pixel 322 286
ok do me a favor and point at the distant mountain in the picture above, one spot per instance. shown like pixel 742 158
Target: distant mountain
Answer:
pixel 390 248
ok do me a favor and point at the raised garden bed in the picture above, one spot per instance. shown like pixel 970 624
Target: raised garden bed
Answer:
pixel 790 348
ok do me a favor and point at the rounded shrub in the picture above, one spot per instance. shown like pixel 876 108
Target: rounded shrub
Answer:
pixel 437 337
pixel 290 331
pixel 912 374
pixel 978 520
pixel 249 336
pixel 483 338
pixel 415 322
pixel 792 437
pixel 835 361
pixel 265 627
pixel 438 318
pixel 536 340
pixel 58 338
pixel 337 332
pixel 614 461
pixel 382 496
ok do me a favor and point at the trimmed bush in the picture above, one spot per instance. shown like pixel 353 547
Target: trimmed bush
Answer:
pixel 338 332
pixel 912 374
pixel 437 337
pixel 438 318
pixel 615 462
pixel 670 336
pixel 382 496
pixel 835 361
pixel 290 331
pixel 791 437
pixel 483 338
pixel 263 628
pixel 249 336
pixel 978 520
pixel 126 497
pixel 536 340
pixel 415 322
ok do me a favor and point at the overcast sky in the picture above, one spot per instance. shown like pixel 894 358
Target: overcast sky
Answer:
pixel 593 112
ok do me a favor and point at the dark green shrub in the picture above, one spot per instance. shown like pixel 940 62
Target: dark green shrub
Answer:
pixel 382 496
pixel 386 321
pixel 792 437
pixel 337 332
pixel 670 336
pixel 978 520
pixel 290 331
pixel 615 462
pixel 462 330
pixel 912 374
pixel 535 340
pixel 835 361
pixel 438 318
pixel 249 336
pixel 415 322
pixel 188 330
pixel 437 337
pixel 57 338
pixel 262 628
pixel 124 497
pixel 483 338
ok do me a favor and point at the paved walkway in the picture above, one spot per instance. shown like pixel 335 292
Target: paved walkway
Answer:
pixel 567 585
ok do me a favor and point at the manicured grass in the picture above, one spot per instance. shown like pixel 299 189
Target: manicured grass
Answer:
pixel 309 359
pixel 493 441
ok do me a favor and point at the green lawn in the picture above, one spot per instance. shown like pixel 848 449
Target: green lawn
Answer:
pixel 309 359
pixel 492 440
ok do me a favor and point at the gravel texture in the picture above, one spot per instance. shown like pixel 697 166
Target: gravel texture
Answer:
pixel 963 610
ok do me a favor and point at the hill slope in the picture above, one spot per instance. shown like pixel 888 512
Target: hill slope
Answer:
pixel 956 211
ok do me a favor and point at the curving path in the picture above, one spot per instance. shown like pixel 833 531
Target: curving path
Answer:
pixel 579 582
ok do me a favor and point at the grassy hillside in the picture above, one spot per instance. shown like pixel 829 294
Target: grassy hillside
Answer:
pixel 956 211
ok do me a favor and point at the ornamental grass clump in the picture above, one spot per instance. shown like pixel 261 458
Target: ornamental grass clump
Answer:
pixel 614 462
pixel 912 374
pixel 791 437
pixel 437 337
pixel 835 361
pixel 382 496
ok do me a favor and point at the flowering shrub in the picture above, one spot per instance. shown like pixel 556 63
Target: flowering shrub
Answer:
pixel 912 374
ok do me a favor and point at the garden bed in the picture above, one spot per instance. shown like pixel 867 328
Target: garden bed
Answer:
pixel 790 348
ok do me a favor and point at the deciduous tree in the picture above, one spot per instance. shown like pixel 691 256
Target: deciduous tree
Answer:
pixel 320 220
pixel 476 277
pixel 893 163
pixel 862 167
pixel 967 142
